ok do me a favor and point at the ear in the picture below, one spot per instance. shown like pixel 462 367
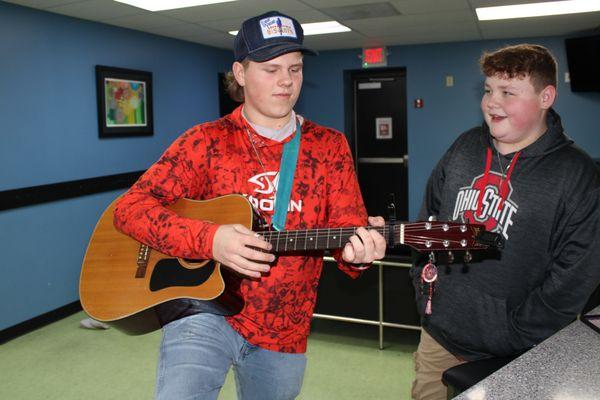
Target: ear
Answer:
pixel 548 95
pixel 239 73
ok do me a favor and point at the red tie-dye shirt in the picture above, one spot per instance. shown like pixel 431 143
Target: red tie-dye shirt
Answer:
pixel 215 159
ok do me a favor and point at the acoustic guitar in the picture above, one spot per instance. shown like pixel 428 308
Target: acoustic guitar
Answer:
pixel 124 283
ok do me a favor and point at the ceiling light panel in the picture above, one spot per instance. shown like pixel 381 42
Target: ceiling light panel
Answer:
pixel 537 9
pixel 161 5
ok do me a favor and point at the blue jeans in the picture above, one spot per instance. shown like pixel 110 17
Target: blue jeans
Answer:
pixel 197 351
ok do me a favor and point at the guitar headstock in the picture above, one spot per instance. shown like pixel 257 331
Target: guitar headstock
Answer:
pixel 439 235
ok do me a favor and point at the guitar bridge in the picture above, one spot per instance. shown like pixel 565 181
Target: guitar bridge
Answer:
pixel 142 261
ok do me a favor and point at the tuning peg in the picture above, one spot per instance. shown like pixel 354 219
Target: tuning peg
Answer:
pixel 432 257
pixel 468 257
pixel 450 257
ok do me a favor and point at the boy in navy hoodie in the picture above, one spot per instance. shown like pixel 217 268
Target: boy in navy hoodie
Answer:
pixel 520 176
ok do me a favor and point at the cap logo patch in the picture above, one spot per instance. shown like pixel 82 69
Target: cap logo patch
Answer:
pixel 273 27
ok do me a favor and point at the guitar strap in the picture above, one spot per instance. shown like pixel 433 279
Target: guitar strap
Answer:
pixel 286 179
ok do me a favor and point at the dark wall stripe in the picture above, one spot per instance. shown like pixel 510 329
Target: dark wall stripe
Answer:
pixel 65 190
pixel 39 321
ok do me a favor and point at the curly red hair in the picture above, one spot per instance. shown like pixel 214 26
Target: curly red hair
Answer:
pixel 521 61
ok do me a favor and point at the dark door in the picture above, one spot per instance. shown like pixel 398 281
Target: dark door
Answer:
pixel 378 123
pixel 375 104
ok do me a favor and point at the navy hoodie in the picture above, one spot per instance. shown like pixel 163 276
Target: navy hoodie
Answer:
pixel 504 302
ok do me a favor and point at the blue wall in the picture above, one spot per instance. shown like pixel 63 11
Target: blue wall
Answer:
pixel 49 133
pixel 448 111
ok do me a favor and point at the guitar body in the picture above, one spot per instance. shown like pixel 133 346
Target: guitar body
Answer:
pixel 114 288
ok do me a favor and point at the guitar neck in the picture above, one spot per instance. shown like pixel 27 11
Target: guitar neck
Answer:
pixel 422 236
pixel 323 238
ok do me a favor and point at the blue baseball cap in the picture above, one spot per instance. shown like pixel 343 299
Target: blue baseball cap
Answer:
pixel 268 36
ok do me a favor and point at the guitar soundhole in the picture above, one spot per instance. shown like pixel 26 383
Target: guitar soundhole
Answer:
pixel 169 273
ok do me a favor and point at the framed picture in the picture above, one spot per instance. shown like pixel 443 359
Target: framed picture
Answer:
pixel 124 102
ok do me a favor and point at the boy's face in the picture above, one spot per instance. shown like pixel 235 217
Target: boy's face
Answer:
pixel 514 111
pixel 271 88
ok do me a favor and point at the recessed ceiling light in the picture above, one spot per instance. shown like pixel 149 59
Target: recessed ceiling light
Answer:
pixel 318 28
pixel 537 9
pixel 161 5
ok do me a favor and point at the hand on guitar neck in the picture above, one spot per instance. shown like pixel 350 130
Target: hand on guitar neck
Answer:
pixel 245 251
pixel 367 245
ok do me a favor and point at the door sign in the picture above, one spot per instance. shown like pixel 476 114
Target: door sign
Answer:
pixel 383 128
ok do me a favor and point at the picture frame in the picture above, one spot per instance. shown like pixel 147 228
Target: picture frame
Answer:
pixel 125 106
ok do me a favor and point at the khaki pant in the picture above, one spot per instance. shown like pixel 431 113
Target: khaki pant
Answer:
pixel 431 360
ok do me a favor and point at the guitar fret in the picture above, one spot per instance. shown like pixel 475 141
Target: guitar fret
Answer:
pixel 305 238
pixel 296 241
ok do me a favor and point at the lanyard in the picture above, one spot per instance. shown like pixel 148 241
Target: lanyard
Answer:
pixel 503 188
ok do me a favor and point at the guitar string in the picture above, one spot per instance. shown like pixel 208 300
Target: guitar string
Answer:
pixel 333 231
pixel 406 237
pixel 302 235
pixel 414 238
pixel 341 231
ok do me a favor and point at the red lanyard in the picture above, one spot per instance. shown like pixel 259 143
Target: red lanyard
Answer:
pixel 503 182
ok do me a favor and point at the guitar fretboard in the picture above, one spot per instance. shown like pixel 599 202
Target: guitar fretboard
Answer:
pixel 322 238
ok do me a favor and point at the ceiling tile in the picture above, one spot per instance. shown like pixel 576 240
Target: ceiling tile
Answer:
pixel 96 10
pixel 143 21
pixel 427 6
pixel 220 40
pixel 361 11
pixel 320 4
pixel 308 16
pixel 182 29
pixel 388 26
pixel 342 40
pixel 415 35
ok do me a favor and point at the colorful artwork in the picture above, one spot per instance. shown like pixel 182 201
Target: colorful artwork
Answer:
pixel 125 102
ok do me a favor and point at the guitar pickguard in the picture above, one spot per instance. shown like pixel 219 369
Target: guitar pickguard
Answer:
pixel 168 272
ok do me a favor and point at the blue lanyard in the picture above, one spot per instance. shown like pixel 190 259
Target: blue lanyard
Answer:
pixel 286 179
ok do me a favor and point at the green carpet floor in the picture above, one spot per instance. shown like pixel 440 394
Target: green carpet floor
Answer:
pixel 63 361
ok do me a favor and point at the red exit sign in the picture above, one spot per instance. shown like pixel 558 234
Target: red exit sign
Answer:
pixel 374 57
